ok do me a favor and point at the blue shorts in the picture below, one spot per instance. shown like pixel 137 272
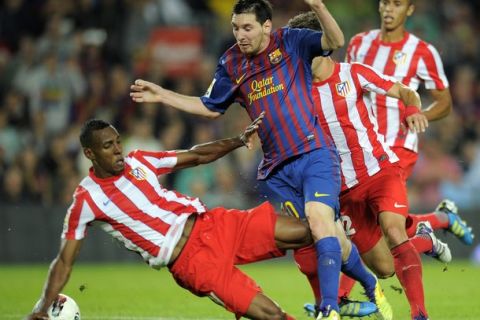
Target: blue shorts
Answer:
pixel 312 176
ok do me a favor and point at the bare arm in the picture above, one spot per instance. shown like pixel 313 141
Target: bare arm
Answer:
pixel 441 105
pixel 211 151
pixel 58 275
pixel 417 121
pixel 333 37
pixel 145 91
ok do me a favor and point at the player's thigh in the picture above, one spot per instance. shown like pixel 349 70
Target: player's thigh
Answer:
pixel 379 259
pixel 292 233
pixel 262 307
pixel 321 182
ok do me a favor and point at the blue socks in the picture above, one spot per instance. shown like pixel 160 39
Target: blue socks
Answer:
pixel 329 258
pixel 355 269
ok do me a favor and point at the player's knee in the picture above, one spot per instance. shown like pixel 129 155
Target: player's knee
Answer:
pixel 395 235
pixel 271 313
pixel 383 271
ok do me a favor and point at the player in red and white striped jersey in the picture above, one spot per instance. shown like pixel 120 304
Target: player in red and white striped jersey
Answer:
pixel 373 198
pixel 124 196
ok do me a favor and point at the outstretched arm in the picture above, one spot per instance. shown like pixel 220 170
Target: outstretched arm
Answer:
pixel 58 275
pixel 415 119
pixel 333 37
pixel 211 151
pixel 145 91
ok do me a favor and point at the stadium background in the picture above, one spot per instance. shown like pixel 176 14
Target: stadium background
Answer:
pixel 64 61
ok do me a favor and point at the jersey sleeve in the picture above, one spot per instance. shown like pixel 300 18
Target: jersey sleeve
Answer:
pixel 307 43
pixel 160 162
pixel 430 69
pixel 221 92
pixel 352 49
pixel 371 80
pixel 79 215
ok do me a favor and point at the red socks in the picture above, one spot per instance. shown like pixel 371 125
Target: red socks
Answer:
pixel 408 268
pixel 346 286
pixel 306 259
pixel 438 220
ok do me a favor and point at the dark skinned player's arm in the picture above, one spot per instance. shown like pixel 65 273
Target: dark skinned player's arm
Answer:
pixel 58 276
pixel 211 151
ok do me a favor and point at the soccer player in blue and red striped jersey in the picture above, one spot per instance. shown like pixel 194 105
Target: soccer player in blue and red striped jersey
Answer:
pixel 270 72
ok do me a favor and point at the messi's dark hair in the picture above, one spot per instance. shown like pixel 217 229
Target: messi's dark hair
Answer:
pixel 261 8
pixel 305 20
pixel 87 130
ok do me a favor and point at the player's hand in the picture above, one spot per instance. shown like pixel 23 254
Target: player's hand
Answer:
pixel 417 122
pixel 37 316
pixel 145 91
pixel 247 135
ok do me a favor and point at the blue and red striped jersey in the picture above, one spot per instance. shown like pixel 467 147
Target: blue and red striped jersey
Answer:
pixel 279 82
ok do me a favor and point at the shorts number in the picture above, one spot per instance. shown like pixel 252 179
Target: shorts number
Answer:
pixel 347 225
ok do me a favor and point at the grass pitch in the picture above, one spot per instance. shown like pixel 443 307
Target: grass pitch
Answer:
pixel 134 291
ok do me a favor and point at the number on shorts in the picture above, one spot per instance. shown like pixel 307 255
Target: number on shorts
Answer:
pixel 347 225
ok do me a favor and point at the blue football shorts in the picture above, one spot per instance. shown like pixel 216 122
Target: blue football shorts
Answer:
pixel 312 176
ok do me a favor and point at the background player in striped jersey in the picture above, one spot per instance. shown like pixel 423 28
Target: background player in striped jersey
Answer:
pixel 373 193
pixel 123 195
pixel 271 71
pixel 395 52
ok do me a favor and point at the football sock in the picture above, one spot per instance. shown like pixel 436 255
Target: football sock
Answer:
pixel 329 261
pixel 289 317
pixel 355 269
pixel 306 259
pixel 422 243
pixel 408 268
pixel 346 286
pixel 438 220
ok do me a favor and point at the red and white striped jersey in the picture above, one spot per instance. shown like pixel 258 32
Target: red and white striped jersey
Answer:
pixel 134 208
pixel 410 61
pixel 344 111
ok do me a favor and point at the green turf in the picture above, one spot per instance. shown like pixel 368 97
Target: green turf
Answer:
pixel 119 291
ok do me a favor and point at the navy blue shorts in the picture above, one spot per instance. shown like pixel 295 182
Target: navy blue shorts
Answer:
pixel 312 176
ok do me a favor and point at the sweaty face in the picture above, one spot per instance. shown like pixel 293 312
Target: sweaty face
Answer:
pixel 394 13
pixel 252 37
pixel 106 153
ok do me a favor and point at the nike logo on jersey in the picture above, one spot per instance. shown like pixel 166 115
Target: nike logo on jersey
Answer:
pixel 396 205
pixel 318 195
pixel 237 80
pixel 106 202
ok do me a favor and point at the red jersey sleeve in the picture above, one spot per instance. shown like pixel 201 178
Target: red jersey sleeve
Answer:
pixel 161 162
pixel 371 80
pixel 79 215
pixel 430 68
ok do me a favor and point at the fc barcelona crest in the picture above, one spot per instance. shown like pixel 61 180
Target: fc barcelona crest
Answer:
pixel 343 88
pixel 138 173
pixel 275 56
pixel 399 57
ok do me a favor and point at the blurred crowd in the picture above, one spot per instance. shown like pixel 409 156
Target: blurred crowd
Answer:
pixel 65 61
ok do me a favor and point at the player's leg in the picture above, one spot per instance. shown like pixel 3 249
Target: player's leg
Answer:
pixel 407 263
pixel 444 217
pixel 262 307
pixel 321 188
pixel 310 181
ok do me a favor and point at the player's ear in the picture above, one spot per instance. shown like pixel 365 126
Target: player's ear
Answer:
pixel 267 26
pixel 411 9
pixel 89 153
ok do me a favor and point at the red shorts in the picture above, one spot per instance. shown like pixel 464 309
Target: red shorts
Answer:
pixel 221 239
pixel 361 205
pixel 408 158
